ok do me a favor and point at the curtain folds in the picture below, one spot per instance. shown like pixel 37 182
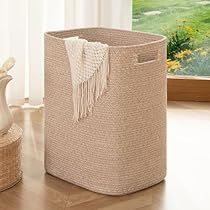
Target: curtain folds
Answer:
pixel 106 13
pixel 23 23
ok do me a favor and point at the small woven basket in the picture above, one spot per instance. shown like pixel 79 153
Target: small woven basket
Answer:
pixel 10 158
pixel 121 147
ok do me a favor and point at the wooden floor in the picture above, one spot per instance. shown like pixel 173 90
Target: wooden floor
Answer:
pixel 187 186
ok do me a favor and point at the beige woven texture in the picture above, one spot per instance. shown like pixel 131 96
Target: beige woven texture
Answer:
pixel 121 148
pixel 10 158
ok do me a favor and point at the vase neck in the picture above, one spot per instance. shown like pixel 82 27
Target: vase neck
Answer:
pixel 4 81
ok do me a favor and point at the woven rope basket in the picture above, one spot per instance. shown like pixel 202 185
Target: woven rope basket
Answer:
pixel 10 158
pixel 121 147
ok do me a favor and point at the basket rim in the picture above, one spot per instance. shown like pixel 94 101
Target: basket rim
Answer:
pixel 162 37
pixel 16 132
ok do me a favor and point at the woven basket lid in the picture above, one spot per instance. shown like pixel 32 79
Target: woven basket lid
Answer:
pixel 14 133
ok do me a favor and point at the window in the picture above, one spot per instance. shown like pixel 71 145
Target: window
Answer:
pixel 186 24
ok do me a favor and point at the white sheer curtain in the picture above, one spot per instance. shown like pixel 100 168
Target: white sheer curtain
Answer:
pixel 23 23
pixel 106 13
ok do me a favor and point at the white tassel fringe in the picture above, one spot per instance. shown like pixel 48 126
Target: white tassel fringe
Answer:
pixel 88 92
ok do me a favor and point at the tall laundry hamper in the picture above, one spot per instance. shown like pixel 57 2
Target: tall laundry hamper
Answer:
pixel 121 147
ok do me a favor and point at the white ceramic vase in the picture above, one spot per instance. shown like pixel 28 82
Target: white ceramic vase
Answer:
pixel 6 119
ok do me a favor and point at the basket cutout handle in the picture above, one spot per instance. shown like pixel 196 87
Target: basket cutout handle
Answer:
pixel 148 57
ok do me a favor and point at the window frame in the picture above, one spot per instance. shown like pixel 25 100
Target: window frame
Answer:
pixel 188 88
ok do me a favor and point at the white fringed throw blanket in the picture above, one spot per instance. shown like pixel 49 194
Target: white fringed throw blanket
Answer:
pixel 89 63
